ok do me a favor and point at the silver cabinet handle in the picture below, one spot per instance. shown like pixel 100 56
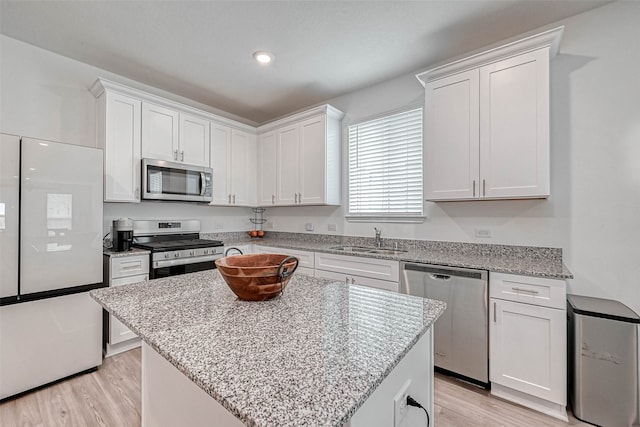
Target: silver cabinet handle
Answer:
pixel 295 195
pixel 299 197
pixel 229 198
pixel 527 291
pixel 234 199
pixel 494 312
pixel 346 279
pixel 137 192
pixel 484 187
pixel 273 199
pixel 474 188
pixel 182 156
pixel 175 154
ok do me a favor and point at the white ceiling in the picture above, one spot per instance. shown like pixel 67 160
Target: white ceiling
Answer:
pixel 202 49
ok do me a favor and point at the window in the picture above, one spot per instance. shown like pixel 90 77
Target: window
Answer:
pixel 385 168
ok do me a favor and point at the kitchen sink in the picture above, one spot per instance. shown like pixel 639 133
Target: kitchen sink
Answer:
pixel 369 250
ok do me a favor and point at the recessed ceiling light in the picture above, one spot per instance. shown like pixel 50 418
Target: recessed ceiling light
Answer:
pixel 263 57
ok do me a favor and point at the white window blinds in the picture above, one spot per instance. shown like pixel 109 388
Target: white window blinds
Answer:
pixel 385 166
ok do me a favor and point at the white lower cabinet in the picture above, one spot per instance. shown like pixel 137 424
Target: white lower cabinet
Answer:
pixel 305 259
pixel 121 271
pixel 527 348
pixel 373 272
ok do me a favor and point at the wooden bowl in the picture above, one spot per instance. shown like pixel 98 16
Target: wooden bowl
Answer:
pixel 257 277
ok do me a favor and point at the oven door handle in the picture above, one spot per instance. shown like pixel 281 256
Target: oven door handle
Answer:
pixel 185 261
pixel 203 183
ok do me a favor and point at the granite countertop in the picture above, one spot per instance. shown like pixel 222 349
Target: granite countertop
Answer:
pixel 522 260
pixel 132 252
pixel 311 356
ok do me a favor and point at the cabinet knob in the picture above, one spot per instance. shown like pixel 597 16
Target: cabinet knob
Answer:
pixel 176 254
pixel 182 156
pixel 175 154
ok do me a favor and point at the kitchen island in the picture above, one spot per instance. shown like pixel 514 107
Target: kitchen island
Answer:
pixel 322 353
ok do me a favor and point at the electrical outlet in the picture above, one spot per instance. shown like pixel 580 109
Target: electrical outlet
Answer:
pixel 400 404
pixel 483 233
pixel 309 226
pixel 331 227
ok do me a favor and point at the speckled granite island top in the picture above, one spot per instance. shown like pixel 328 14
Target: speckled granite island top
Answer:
pixel 311 356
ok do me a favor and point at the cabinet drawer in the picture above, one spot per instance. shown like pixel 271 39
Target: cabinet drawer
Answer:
pixel 358 266
pixel 531 290
pixel 129 266
pixel 305 258
pixel 358 280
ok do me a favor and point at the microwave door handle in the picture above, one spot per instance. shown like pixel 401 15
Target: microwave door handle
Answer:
pixel 202 183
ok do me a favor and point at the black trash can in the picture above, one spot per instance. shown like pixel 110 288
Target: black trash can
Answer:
pixel 604 379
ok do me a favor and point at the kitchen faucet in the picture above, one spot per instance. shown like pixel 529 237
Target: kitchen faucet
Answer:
pixel 378 239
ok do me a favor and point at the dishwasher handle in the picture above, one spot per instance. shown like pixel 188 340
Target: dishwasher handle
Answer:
pixel 436 276
pixel 440 271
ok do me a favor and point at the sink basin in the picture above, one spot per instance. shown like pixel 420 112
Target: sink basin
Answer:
pixel 369 250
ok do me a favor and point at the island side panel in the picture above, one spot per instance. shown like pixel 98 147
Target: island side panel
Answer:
pixel 171 399
pixel 416 367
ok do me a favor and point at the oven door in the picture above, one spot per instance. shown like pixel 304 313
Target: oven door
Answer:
pixel 174 270
pixel 162 180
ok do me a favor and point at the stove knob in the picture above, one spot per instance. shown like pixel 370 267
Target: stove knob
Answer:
pixel 176 254
pixel 191 253
pixel 166 255
pixel 206 251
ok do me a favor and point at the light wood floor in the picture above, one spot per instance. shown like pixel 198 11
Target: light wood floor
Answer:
pixel 111 397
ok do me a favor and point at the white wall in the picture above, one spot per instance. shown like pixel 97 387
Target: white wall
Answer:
pixel 45 95
pixel 594 210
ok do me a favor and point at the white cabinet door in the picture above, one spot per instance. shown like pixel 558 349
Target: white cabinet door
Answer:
pixel 451 137
pixel 194 140
pixel 527 350
pixel 159 133
pixel 313 160
pixel 118 332
pixel 243 168
pixel 514 126
pixel 287 165
pixel 118 128
pixel 220 154
pixel 267 159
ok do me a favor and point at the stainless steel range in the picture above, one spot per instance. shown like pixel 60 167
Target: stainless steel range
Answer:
pixel 176 247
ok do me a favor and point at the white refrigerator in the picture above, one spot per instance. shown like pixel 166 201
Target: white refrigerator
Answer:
pixel 50 257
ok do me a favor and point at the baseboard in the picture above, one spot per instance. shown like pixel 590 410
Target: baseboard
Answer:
pixel 112 350
pixel 532 402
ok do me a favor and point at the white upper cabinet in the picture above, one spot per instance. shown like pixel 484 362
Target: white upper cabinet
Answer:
pixel 287 165
pixel 220 159
pixel 486 127
pixel 132 124
pixel 233 160
pixel 267 159
pixel 451 135
pixel 118 134
pixel 174 136
pixel 514 126
pixel 300 159
pixel 194 143
pixel 159 133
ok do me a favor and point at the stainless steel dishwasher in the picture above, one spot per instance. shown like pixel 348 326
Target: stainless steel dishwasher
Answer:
pixel 461 334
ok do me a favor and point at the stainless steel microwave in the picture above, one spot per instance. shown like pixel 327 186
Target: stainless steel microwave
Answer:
pixel 162 180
